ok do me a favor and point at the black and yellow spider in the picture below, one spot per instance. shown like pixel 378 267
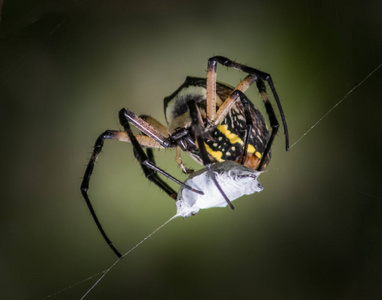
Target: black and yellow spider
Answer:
pixel 211 121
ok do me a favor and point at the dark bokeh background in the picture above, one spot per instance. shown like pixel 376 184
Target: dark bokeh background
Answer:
pixel 67 67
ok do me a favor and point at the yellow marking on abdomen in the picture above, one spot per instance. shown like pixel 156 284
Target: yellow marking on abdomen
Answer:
pixel 258 154
pixel 233 138
pixel 250 149
pixel 215 154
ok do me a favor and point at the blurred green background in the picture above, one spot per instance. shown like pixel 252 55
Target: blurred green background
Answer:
pixel 66 68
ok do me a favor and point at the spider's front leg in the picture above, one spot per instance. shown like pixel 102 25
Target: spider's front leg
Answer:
pixel 148 166
pixel 120 136
pixel 108 134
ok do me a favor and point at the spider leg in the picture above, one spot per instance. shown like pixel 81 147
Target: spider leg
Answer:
pixel 211 91
pixel 121 136
pixel 272 120
pixel 163 129
pixel 148 167
pixel 157 125
pixel 257 74
pixel 203 152
pixel 150 130
pixel 178 159
pixel 216 117
pixel 108 134
pixel 231 100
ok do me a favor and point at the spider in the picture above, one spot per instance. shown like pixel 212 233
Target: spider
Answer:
pixel 210 120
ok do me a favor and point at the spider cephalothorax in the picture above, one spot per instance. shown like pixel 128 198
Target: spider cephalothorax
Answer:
pixel 212 121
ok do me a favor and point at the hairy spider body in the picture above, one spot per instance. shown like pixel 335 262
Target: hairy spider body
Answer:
pixel 226 140
pixel 212 121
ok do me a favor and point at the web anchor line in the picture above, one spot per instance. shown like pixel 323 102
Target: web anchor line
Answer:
pixel 335 106
pixel 104 272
